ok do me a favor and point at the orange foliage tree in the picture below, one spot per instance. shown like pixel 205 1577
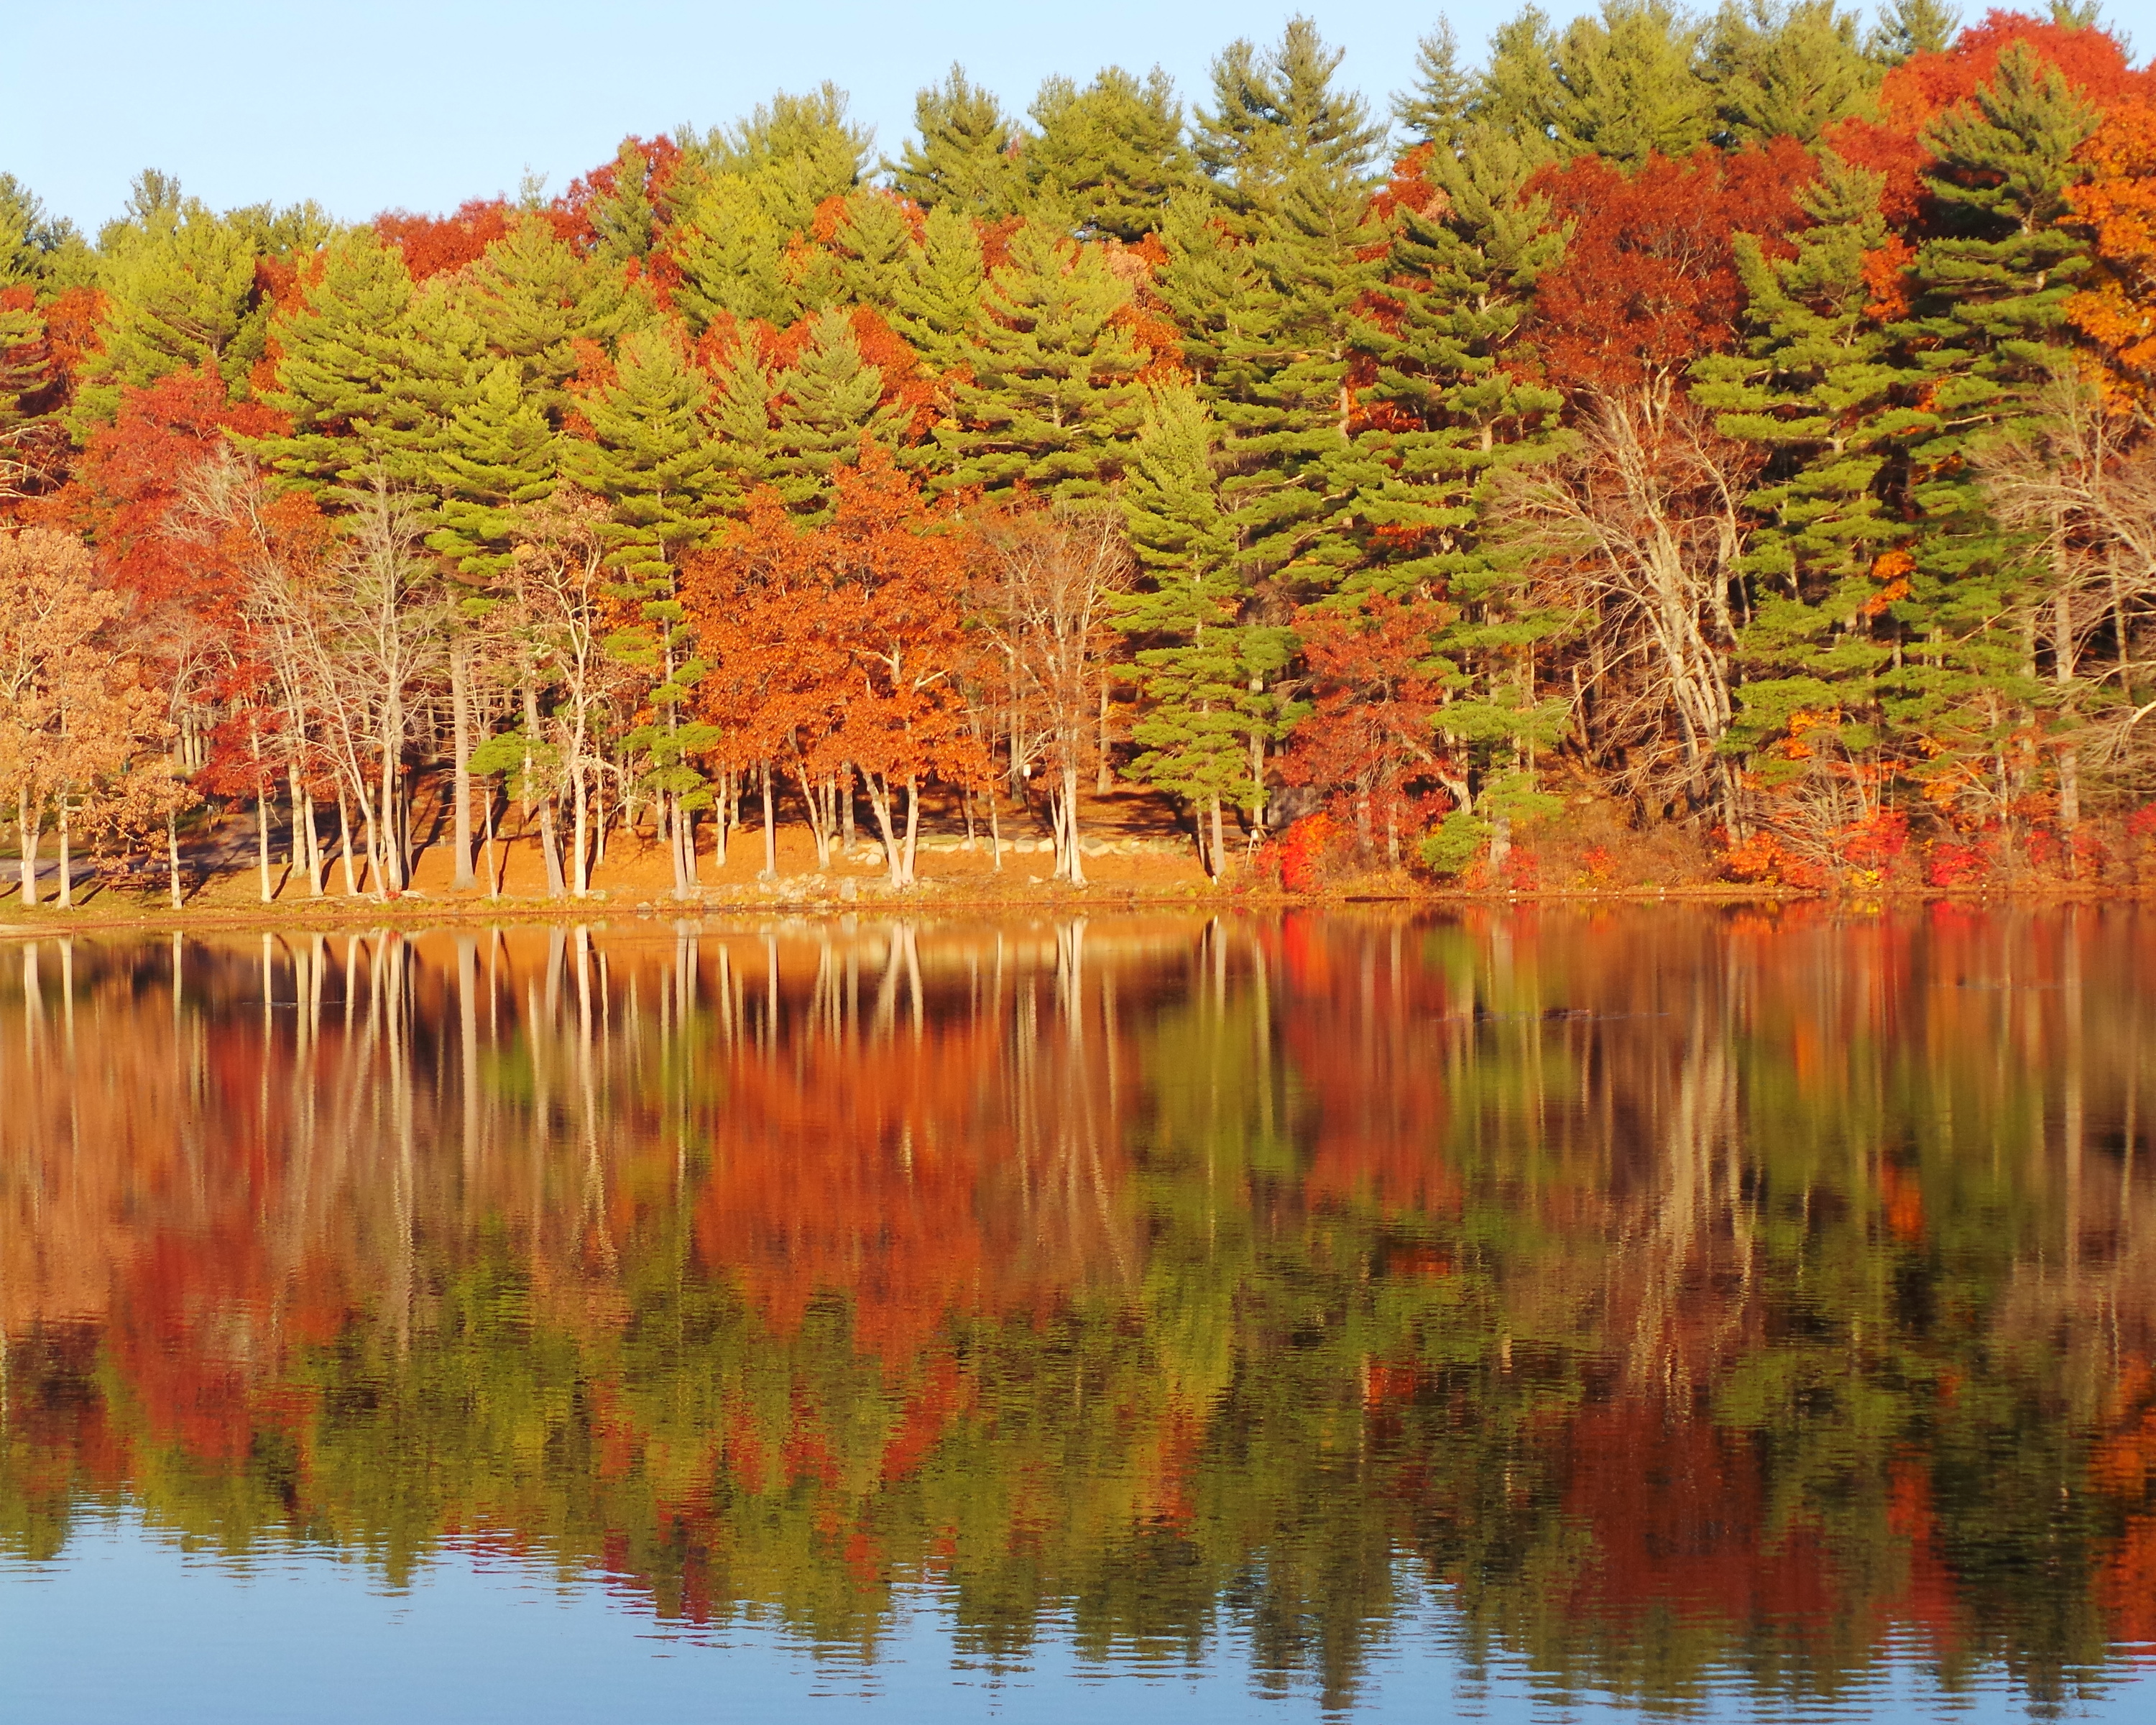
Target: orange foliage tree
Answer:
pixel 2117 204
pixel 841 647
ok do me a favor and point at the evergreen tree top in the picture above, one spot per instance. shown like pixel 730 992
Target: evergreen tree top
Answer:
pixel 1909 28
pixel 797 151
pixel 1277 109
pixel 1435 107
pixel 1114 150
pixel 2007 156
pixel 963 154
pixel 1621 85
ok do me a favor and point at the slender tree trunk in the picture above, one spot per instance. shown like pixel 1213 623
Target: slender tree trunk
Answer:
pixel 880 806
pixel 580 874
pixel 66 897
pixel 814 799
pixel 1074 866
pixel 770 829
pixel 493 866
pixel 2069 765
pixel 370 836
pixel 995 833
pixel 344 838
pixel 1220 844
pixel 392 846
pixel 460 748
pixel 1103 779
pixel 550 844
pixel 172 855
pixel 262 836
pixel 29 822
pixel 912 826
pixel 846 807
pixel 306 851
pixel 725 813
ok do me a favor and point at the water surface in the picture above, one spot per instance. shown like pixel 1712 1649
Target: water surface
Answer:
pixel 1524 1315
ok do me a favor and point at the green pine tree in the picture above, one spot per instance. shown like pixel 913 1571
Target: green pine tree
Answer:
pixel 651 456
pixel 497 456
pixel 1278 116
pixel 937 307
pixel 1985 340
pixel 23 366
pixel 798 150
pixel 1445 350
pixel 624 217
pixel 831 399
pixel 653 459
pixel 370 373
pixel 1619 85
pixel 1786 68
pixel 1185 616
pixel 36 248
pixel 1814 385
pixel 1434 108
pixel 1460 405
pixel 533 300
pixel 964 155
pixel 1052 402
pixel 1912 26
pixel 874 246
pixel 1111 153
pixel 743 411
pixel 732 255
pixel 179 283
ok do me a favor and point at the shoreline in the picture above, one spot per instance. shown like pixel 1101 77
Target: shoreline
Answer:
pixel 426 909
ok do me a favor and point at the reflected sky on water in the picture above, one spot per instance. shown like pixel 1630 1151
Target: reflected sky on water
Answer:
pixel 1720 1313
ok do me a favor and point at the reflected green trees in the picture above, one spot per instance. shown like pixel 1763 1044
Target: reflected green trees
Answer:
pixel 1682 1295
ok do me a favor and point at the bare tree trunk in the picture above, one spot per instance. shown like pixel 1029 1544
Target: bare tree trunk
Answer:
pixel 580 874
pixel 880 806
pixel 995 832
pixel 1074 865
pixel 493 867
pixel 460 747
pixel 770 829
pixel 344 838
pixel 678 833
pixel 813 797
pixel 172 855
pixel 1103 780
pixel 305 851
pixel 2062 674
pixel 261 836
pixel 391 881
pixel 28 823
pixel 1220 844
pixel 550 844
pixel 66 897
pixel 912 826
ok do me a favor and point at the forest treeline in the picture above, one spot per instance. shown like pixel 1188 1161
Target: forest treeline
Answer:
pixel 1745 417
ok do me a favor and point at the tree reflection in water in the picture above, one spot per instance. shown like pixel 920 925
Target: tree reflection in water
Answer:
pixel 1680 1293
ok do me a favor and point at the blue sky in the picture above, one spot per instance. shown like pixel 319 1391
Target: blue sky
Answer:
pixel 420 103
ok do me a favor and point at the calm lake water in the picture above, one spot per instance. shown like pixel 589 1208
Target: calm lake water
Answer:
pixel 1520 1315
